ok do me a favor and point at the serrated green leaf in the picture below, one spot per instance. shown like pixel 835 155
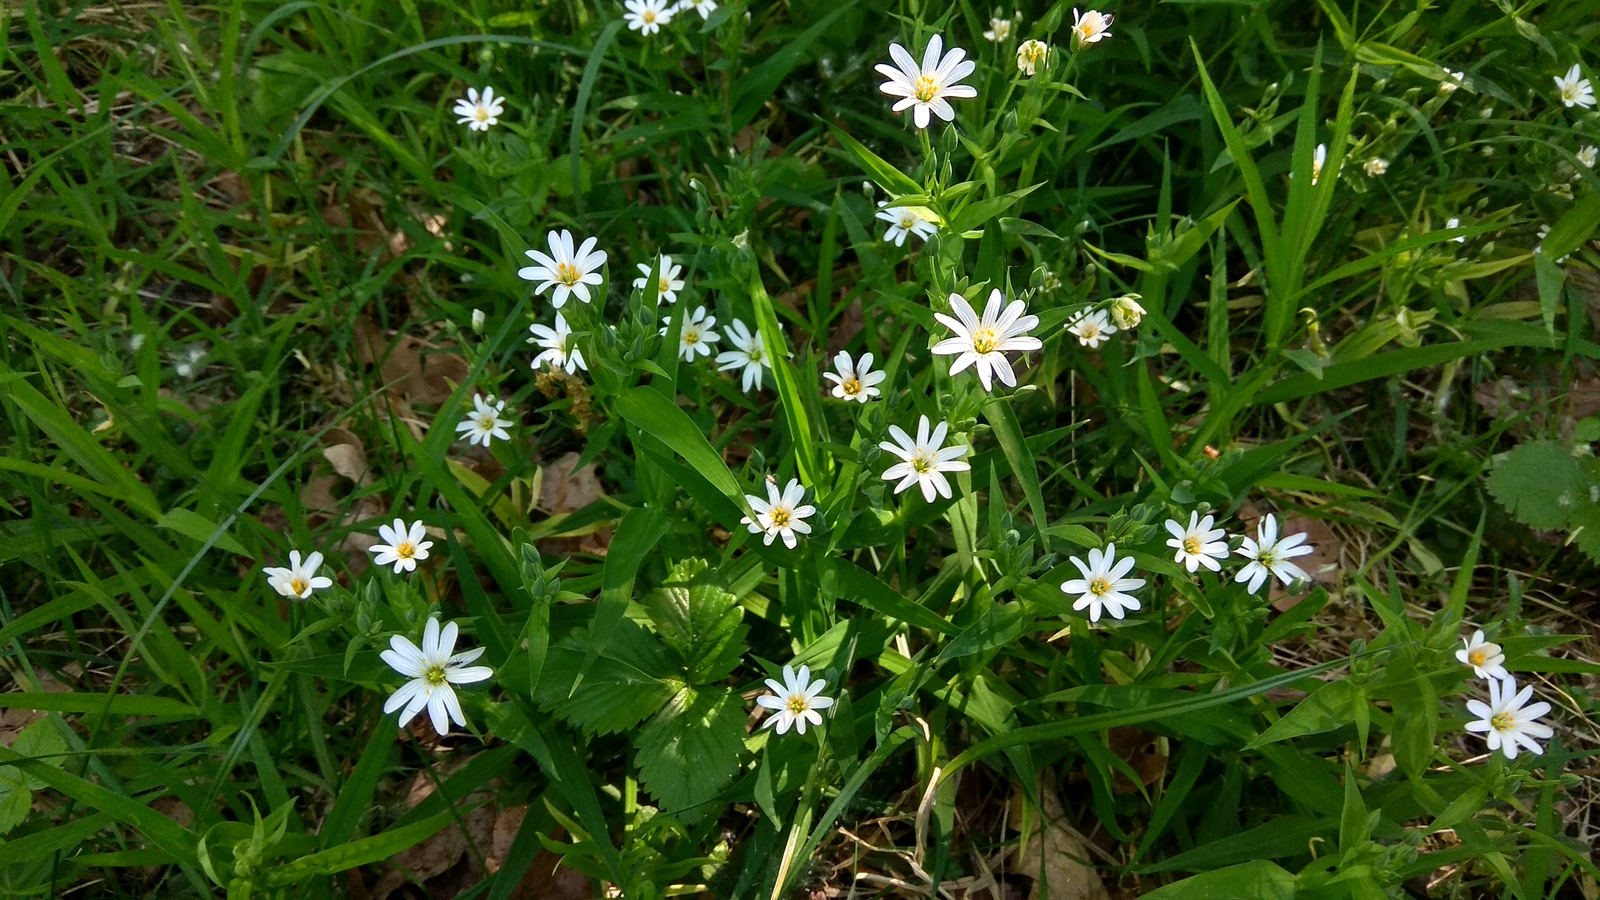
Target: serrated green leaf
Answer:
pixel 1586 530
pixel 1540 484
pixel 615 695
pixel 699 620
pixel 690 750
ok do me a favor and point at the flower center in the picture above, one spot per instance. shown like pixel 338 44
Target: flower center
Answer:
pixel 851 386
pixel 298 585
pixel 757 355
pixel 908 220
pixel 1191 545
pixel 485 422
pixel 691 336
pixel 1086 30
pixel 1502 721
pixel 1267 557
pixel 568 274
pixel 649 16
pixel 1569 92
pixel 921 463
pixel 434 676
pixel 481 114
pixel 797 704
pixel 925 88
pixel 663 286
pixel 405 550
pixel 780 518
pixel 1089 331
pixel 984 340
pixel 1099 587
pixel 1477 657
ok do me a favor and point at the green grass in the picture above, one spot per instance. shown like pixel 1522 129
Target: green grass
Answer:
pixel 242 250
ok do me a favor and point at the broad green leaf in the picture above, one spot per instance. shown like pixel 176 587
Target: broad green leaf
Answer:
pixel 1258 879
pixel 1541 484
pixel 362 852
pixel 891 179
pixel 650 412
pixel 1573 228
pixel 1024 465
pixel 636 536
pixel 700 620
pixel 623 686
pixel 690 751
pixel 1327 708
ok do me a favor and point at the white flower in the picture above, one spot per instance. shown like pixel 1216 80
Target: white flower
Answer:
pixel 924 460
pixel 704 7
pixel 795 701
pixel 1090 28
pixel 930 86
pixel 1030 55
pixel 405 547
pixel 999 30
pixel 741 240
pixel 1199 544
pixel 1092 327
pixel 781 514
pixel 135 342
pixel 904 220
pixel 557 346
pixel 1126 311
pixel 855 380
pixel 647 16
pixel 432 670
pixel 484 424
pixel 1452 81
pixel 1574 89
pixel 696 337
pixel 1562 190
pixel 1270 556
pixel 1375 166
pixel 748 353
pixel 478 319
pixel 186 362
pixel 1317 160
pixel 1103 589
pixel 982 343
pixel 1588 155
pixel 668 284
pixel 300 578
pixel 1506 721
pixel 1485 658
pixel 566 270
pixel 1454 222
pixel 478 112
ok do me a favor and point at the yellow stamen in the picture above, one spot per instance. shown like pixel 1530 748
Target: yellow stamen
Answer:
pixel 851 386
pixel 405 550
pixel 924 88
pixel 780 517
pixel 921 463
pixel 297 586
pixel 568 274
pixel 1502 721
pixel 1099 587
pixel 1191 545
pixel 434 675
pixel 984 340
pixel 481 114
pixel 665 287
pixel 1477 657
pixel 691 337
pixel 649 16
pixel 797 704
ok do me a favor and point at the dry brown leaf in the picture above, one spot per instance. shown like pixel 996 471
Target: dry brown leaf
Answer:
pixel 1142 751
pixel 1055 851
pixel 349 461
pixel 563 490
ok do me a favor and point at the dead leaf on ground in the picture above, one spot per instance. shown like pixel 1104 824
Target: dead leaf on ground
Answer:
pixel 408 366
pixel 564 490
pixel 1055 850
pixel 1142 751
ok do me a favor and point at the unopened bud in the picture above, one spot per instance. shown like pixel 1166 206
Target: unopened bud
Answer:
pixel 1126 311
pixel 477 321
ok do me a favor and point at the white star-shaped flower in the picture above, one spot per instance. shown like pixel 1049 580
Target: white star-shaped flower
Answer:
pixel 299 578
pixel 704 7
pixel 558 347
pixel 479 111
pixel 855 380
pixel 748 353
pixel 794 702
pixel 1454 222
pixel 1507 721
pixel 982 343
pixel 1485 658
pixel 1029 55
pixel 1093 327
pixel 781 514
pixel 929 87
pixel 647 16
pixel 696 337
pixel 1270 556
pixel 1452 81
pixel 566 270
pixel 999 30
pixel 404 546
pixel 1575 89
pixel 1376 166
pixel 924 460
pixel 484 424
pixel 1318 160
pixel 1588 155
pixel 1103 587
pixel 1090 28
pixel 904 220
pixel 434 671
pixel 1199 544
pixel 668 284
